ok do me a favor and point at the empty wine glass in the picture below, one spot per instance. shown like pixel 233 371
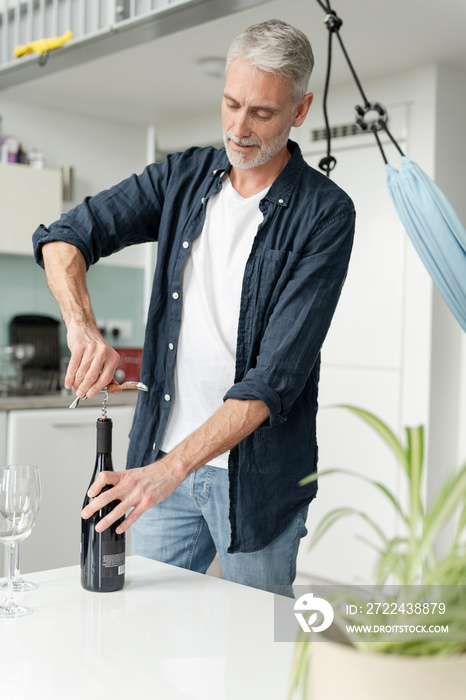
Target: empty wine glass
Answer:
pixel 17 514
pixel 19 585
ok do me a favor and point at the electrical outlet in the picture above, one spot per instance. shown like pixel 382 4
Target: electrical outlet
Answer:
pixel 119 330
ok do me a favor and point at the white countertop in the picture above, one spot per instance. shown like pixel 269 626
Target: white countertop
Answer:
pixel 171 634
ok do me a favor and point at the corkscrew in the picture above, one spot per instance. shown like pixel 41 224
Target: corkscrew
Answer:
pixel 111 388
pixel 104 406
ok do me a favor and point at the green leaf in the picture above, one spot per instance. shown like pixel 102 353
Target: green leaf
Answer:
pixel 449 497
pixel 327 521
pixel 392 499
pixel 362 477
pixel 384 431
pixel 300 664
pixel 337 514
pixel 415 456
pixel 461 523
pixel 392 562
pixel 451 570
pixel 316 475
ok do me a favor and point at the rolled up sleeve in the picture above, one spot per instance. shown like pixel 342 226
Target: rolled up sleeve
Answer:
pixel 126 214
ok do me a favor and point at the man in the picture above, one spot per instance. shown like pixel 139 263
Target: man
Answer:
pixel 253 249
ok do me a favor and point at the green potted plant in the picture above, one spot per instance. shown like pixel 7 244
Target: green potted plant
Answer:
pixel 371 669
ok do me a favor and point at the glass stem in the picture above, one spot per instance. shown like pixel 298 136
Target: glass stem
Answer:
pixel 16 571
pixel 11 565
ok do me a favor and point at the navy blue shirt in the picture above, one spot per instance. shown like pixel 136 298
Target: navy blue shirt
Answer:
pixel 292 282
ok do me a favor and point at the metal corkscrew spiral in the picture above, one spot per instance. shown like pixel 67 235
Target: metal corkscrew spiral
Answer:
pixel 104 406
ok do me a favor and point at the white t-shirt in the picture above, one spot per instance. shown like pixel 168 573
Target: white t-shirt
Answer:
pixel 204 368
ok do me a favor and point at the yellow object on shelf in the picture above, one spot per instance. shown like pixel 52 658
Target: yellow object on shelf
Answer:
pixel 42 46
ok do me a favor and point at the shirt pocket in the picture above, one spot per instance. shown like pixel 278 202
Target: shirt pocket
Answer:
pixel 274 272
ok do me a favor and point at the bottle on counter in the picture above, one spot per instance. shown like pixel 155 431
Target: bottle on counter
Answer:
pixel 102 553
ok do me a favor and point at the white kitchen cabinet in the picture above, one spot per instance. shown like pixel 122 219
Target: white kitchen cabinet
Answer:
pixel 62 444
pixel 28 197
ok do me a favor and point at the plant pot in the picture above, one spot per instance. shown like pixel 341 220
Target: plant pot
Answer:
pixel 341 672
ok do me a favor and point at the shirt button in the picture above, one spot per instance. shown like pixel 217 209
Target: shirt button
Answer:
pixel 185 244
pixel 167 397
pixel 203 200
pixel 280 201
pixel 170 346
pixel 214 172
pixel 175 295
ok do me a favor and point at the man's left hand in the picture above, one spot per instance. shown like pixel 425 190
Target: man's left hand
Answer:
pixel 136 489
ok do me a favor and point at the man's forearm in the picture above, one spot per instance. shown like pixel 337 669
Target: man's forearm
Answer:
pixel 66 276
pixel 234 421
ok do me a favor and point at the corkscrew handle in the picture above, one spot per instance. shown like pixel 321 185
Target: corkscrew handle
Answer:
pixel 112 388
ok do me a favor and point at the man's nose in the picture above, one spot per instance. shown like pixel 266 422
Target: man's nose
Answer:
pixel 241 126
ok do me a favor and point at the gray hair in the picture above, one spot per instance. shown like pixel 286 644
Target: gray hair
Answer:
pixel 276 47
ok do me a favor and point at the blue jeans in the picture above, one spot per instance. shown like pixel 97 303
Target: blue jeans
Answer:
pixel 192 525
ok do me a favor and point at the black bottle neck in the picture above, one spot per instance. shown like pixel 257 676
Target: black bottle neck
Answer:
pixel 104 436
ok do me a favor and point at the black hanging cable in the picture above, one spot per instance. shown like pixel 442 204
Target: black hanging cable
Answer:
pixel 392 139
pixel 325 6
pixel 333 24
pixel 379 144
pixel 350 66
pixel 328 162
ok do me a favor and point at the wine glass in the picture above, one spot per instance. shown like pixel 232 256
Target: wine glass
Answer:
pixel 17 514
pixel 19 585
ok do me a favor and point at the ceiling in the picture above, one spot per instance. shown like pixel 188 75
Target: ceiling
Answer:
pixel 160 81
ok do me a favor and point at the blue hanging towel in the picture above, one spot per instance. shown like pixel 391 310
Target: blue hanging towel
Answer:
pixel 434 229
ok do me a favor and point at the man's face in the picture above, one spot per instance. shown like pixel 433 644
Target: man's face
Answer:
pixel 257 115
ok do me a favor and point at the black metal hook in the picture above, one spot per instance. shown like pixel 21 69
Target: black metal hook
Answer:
pixel 327 163
pixel 333 22
pixel 375 125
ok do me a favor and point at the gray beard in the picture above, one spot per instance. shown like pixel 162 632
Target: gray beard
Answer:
pixel 265 153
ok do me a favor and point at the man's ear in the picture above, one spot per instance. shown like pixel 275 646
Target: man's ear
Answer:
pixel 302 109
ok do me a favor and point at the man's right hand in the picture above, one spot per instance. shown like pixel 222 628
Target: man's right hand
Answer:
pixel 93 361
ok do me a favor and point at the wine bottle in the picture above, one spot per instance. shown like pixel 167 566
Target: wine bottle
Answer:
pixel 102 553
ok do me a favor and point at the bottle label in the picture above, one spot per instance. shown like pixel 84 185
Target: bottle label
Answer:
pixel 113 558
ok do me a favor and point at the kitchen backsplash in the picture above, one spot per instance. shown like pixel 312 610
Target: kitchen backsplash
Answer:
pixel 116 294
